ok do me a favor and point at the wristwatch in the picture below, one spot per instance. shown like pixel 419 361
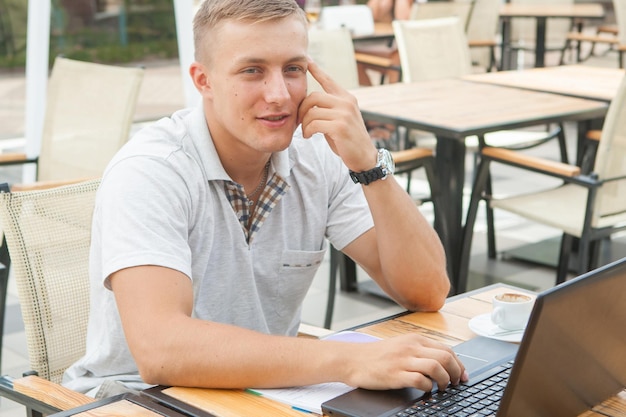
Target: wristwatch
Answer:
pixel 384 166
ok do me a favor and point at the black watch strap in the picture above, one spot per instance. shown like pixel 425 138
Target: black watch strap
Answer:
pixel 369 176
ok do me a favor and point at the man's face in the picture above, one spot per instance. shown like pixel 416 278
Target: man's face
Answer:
pixel 256 82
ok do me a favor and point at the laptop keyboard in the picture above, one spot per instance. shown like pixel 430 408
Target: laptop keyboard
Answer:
pixel 476 398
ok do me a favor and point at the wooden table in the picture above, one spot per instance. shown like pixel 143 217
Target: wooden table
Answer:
pixel 541 13
pixel 583 81
pixel 453 109
pixel 449 326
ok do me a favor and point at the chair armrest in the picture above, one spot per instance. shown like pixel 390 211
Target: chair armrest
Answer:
pixel 482 43
pixel 594 135
pixel 584 37
pixel 613 29
pixel 376 61
pixel 529 161
pixel 50 393
pixel 411 154
pixel 14 158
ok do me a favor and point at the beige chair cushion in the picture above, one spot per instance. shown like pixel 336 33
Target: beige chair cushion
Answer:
pixel 562 208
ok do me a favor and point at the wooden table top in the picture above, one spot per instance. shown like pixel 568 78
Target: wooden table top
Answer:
pixel 579 10
pixel 582 81
pixel 457 108
pixel 449 326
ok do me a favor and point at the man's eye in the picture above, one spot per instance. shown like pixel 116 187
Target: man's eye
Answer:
pixel 295 68
pixel 251 71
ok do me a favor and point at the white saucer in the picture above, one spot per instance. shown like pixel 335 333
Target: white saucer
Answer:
pixel 483 326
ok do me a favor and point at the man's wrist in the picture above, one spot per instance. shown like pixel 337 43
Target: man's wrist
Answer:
pixel 384 167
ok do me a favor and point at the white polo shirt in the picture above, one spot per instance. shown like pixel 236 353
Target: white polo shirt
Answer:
pixel 162 202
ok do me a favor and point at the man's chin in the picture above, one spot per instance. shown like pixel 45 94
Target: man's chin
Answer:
pixel 277 143
pixel 278 146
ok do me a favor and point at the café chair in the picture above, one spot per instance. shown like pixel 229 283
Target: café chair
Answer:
pixel 462 9
pixel 479 20
pixel 89 111
pixel 432 48
pixel 612 35
pixel 48 232
pixel 482 33
pixel 585 207
pixel 333 50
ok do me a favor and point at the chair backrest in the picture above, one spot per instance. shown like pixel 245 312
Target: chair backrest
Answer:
pixel 48 235
pixel 611 159
pixel 333 50
pixel 433 10
pixel 523 30
pixel 619 7
pixel 483 24
pixel 357 18
pixel 432 49
pixel 89 111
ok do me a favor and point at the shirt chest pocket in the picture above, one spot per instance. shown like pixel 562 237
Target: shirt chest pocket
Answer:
pixel 295 275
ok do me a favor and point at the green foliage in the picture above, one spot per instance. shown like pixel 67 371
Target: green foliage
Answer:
pixel 146 31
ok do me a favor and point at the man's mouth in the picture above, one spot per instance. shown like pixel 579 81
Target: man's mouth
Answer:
pixel 274 118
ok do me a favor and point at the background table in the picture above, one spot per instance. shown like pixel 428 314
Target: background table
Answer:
pixel 583 81
pixel 541 13
pixel 453 109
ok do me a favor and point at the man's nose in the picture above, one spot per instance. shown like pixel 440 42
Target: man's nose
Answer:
pixel 276 88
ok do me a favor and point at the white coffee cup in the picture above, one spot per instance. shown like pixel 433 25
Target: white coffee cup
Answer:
pixel 511 310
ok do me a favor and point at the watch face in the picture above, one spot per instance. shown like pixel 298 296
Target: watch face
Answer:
pixel 386 161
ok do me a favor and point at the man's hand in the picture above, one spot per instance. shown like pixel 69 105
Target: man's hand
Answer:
pixel 335 113
pixel 409 360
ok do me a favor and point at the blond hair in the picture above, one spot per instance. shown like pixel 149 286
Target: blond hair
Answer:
pixel 212 12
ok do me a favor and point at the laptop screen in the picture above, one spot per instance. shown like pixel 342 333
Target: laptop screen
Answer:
pixel 573 355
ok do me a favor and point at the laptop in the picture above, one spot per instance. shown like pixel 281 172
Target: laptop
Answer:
pixel 570 359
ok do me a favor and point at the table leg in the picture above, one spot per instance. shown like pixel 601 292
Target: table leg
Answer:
pixel 540 41
pixel 347 272
pixel 505 56
pixel 450 171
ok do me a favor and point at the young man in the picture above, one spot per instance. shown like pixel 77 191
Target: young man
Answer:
pixel 209 227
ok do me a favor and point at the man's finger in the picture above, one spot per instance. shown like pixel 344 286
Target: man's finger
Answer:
pixel 326 82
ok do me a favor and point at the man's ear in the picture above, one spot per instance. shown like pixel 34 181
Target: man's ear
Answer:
pixel 200 78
